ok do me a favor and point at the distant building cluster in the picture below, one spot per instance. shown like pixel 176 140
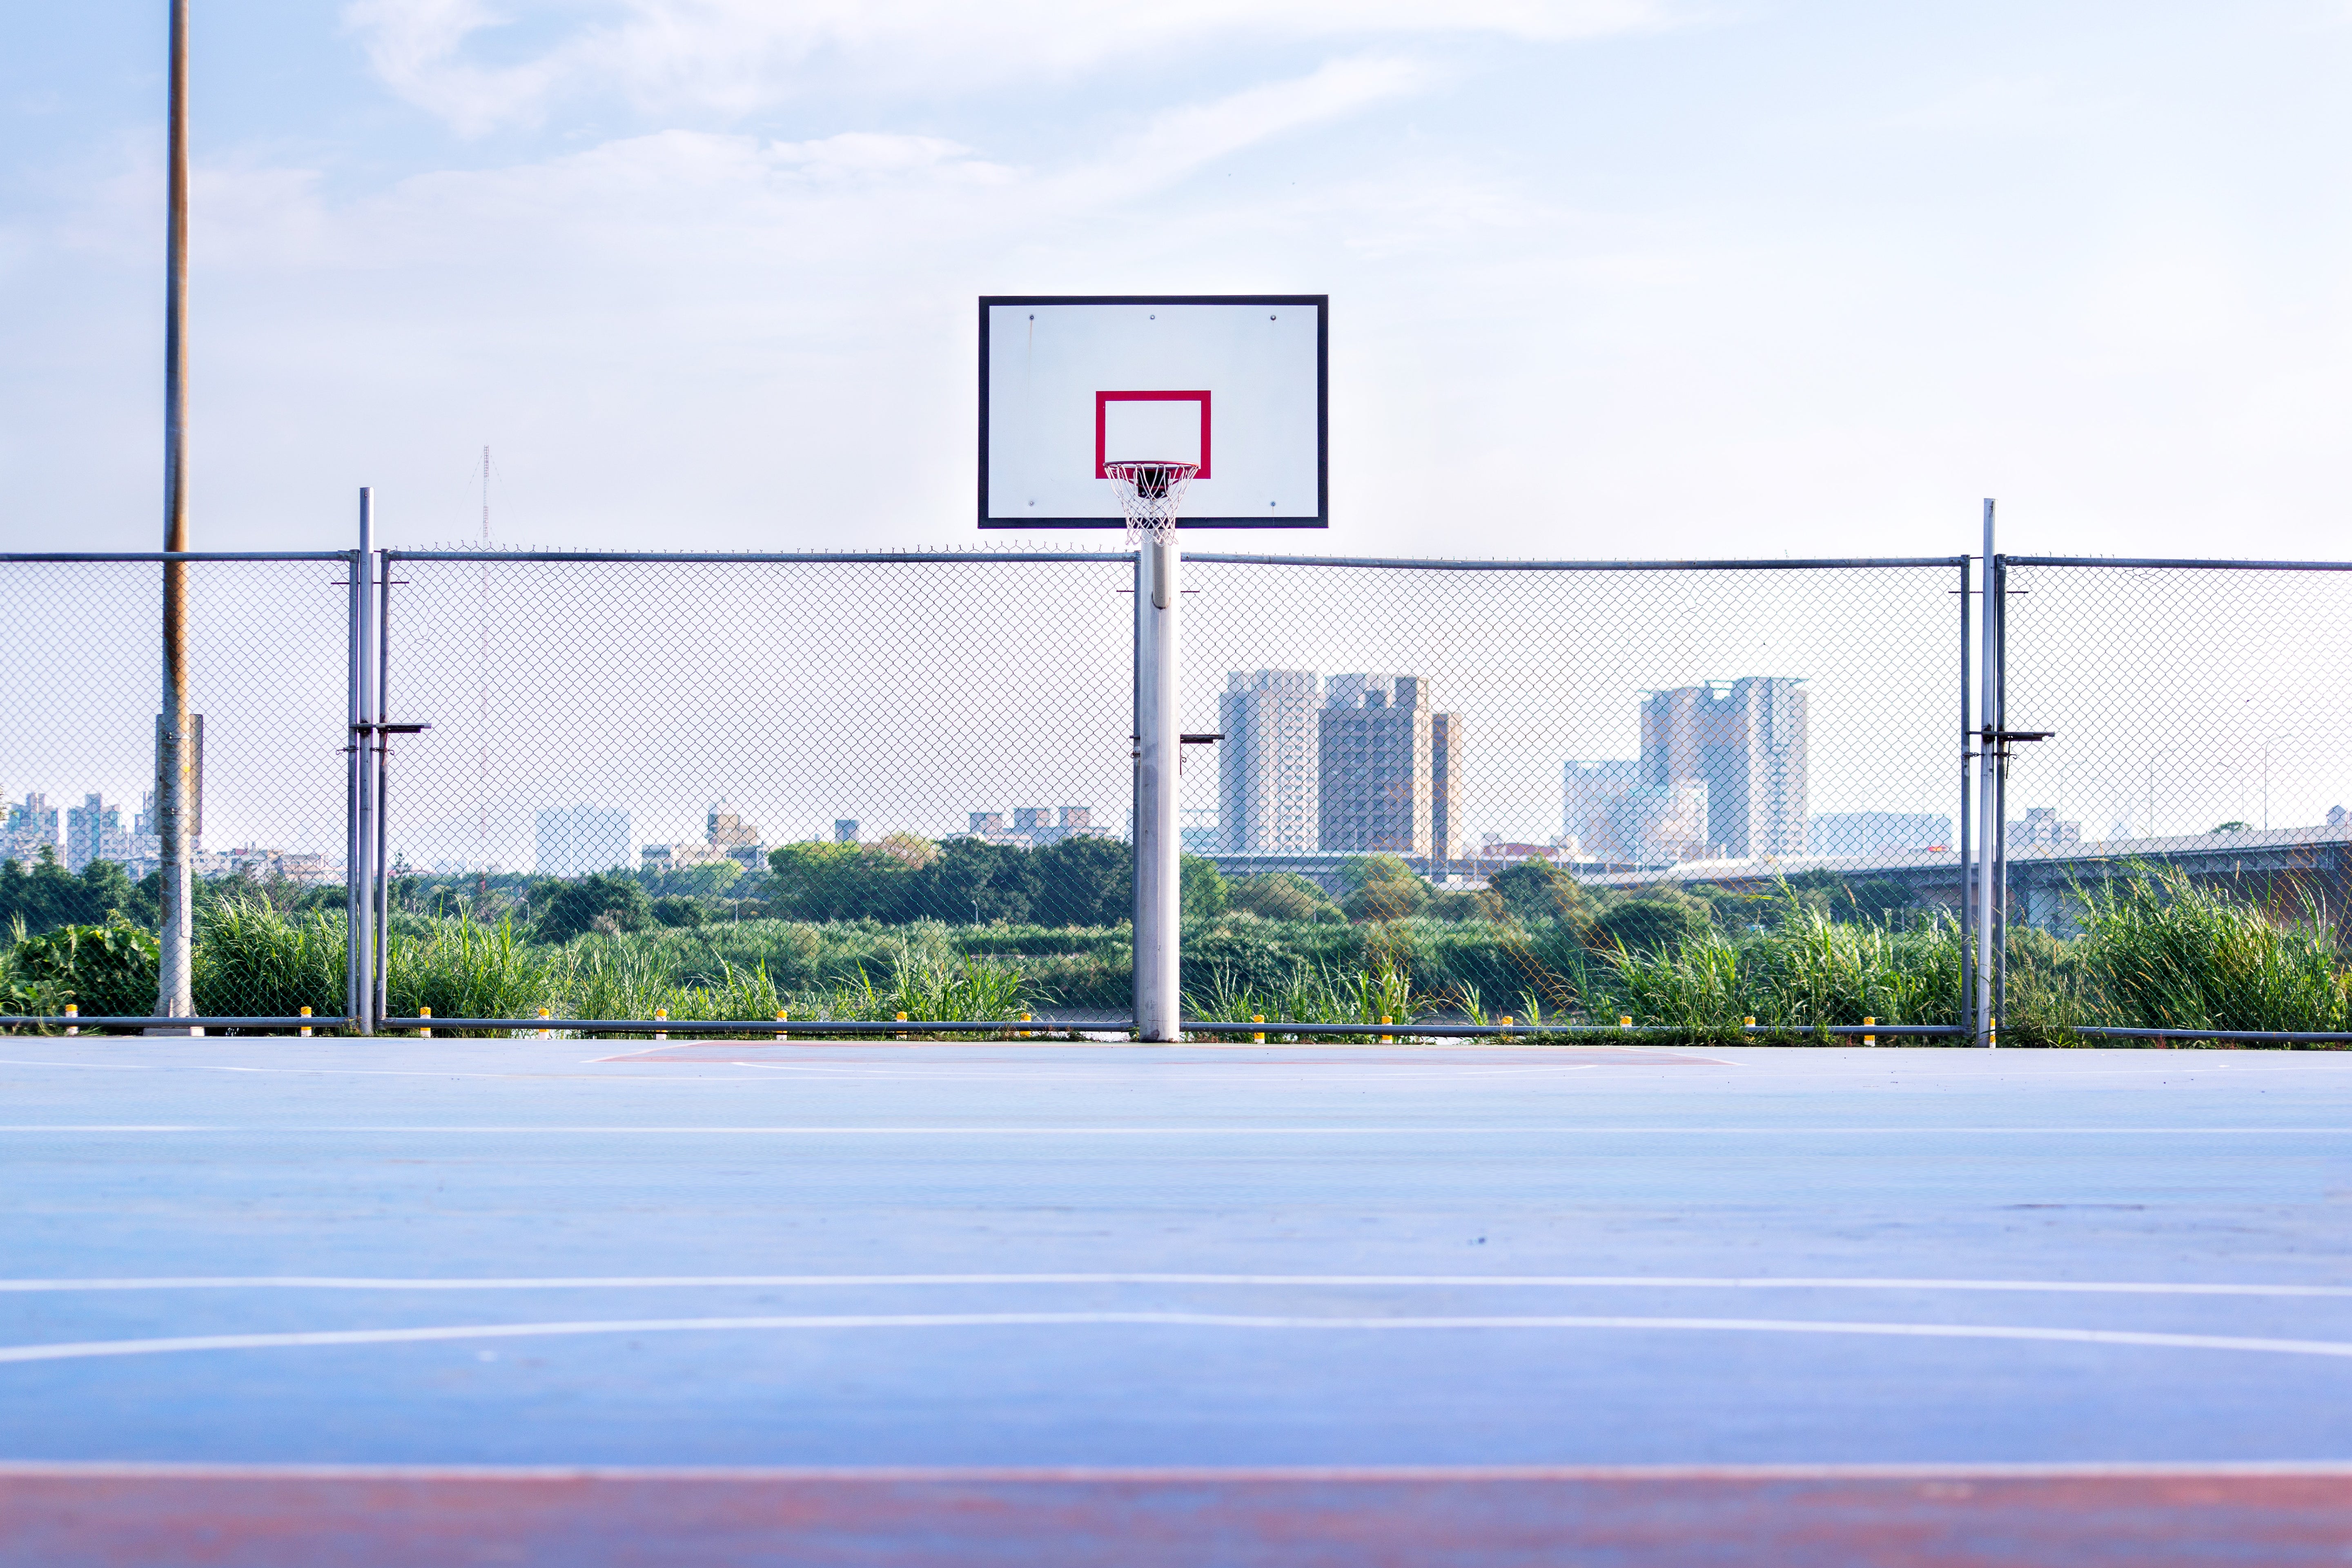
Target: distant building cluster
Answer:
pixel 80 836
pixel 725 836
pixel 1722 776
pixel 1360 764
pixel 1034 827
pixel 91 831
pixel 1865 833
pixel 2041 829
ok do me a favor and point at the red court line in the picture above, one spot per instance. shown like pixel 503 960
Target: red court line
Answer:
pixel 1960 1518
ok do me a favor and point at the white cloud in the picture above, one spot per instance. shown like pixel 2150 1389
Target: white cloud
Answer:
pixel 732 57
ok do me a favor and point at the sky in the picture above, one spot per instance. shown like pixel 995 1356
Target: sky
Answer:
pixel 1608 278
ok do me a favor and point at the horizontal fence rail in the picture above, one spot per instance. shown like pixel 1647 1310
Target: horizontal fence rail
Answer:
pixel 151 1021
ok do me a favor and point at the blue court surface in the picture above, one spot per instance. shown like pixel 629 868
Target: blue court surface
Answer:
pixel 276 1301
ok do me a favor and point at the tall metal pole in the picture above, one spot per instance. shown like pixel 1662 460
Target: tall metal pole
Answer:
pixel 1968 867
pixel 1159 751
pixel 1987 807
pixel 359 1000
pixel 380 859
pixel 176 815
pixel 1996 585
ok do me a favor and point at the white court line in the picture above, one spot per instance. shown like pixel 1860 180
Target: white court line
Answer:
pixel 1441 1281
pixel 1491 1130
pixel 2052 1470
pixel 92 1349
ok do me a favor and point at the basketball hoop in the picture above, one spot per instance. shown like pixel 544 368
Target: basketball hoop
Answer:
pixel 1151 492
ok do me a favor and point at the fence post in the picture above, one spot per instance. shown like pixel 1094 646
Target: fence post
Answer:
pixel 1987 808
pixel 1996 585
pixel 1968 1018
pixel 359 987
pixel 175 805
pixel 1159 748
pixel 380 855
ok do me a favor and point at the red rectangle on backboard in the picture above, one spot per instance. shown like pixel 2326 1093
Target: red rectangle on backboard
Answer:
pixel 1103 400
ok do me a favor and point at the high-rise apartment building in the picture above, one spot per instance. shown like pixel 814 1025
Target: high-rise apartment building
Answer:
pixel 579 841
pixel 1588 789
pixel 1379 768
pixel 1745 742
pixel 1445 831
pixel 1658 823
pixel 94 831
pixel 31 825
pixel 1268 764
pixel 1722 773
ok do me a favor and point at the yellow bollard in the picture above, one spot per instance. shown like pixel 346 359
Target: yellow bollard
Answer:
pixel 546 1012
pixel 780 1034
pixel 1625 1023
pixel 426 1032
pixel 1257 1018
pixel 1506 1022
pixel 1387 1039
pixel 1869 1039
pixel 73 1011
pixel 902 1018
pixel 1026 1034
pixel 1748 1022
pixel 661 1015
pixel 305 1028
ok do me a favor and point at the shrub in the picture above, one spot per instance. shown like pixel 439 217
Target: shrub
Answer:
pixel 1204 887
pixel 607 900
pixel 1654 922
pixel 1536 890
pixel 108 969
pixel 1278 896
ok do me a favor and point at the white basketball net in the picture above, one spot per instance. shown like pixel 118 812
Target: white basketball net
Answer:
pixel 1152 493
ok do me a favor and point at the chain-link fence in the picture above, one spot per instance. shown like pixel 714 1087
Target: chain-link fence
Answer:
pixel 268 657
pixel 734 788
pixel 2176 847
pixel 1483 778
pixel 1725 799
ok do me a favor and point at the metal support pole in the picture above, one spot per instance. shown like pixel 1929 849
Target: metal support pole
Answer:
pixel 1159 751
pixel 176 815
pixel 359 984
pixel 380 859
pixel 1988 711
pixel 1997 588
pixel 1968 1019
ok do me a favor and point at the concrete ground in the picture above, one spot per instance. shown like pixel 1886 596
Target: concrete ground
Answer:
pixel 568 1302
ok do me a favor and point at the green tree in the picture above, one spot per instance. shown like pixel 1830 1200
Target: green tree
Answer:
pixel 48 896
pixel 612 901
pixel 1383 889
pixel 1280 896
pixel 974 882
pixel 1085 881
pixel 1536 890
pixel 832 881
pixel 1655 921
pixel 1202 891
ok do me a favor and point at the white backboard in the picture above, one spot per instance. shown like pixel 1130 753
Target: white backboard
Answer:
pixel 1234 383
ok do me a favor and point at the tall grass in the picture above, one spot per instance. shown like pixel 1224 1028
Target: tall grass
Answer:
pixel 2156 952
pixel 254 961
pixel 2168 953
